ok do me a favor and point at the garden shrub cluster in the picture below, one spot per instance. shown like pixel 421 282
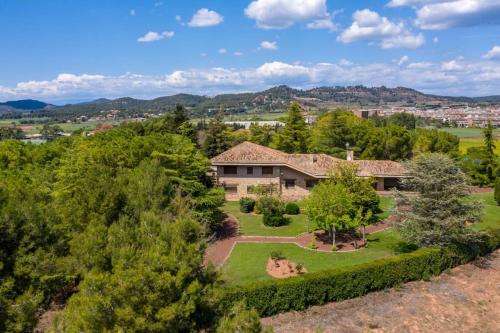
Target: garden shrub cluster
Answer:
pixel 292 208
pixel 298 293
pixel 273 211
pixel 247 205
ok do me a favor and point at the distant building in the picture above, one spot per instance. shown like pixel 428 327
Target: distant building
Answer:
pixel 247 124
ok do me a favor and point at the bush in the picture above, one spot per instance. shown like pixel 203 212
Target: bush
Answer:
pixel 247 205
pixel 298 293
pixel 273 210
pixel 497 190
pixel 292 208
pixel 277 255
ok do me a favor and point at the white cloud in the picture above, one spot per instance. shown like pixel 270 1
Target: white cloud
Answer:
pixel 451 77
pixel 281 14
pixel 222 51
pixel 325 23
pixel 494 53
pixel 266 45
pixel 403 60
pixel 445 14
pixel 435 40
pixel 153 36
pixel 205 18
pixel 132 12
pixel 369 26
pixel 238 53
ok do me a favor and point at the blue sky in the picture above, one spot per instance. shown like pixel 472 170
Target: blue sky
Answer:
pixel 63 51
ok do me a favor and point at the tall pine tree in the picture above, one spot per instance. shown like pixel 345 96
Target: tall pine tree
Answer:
pixel 216 140
pixel 294 136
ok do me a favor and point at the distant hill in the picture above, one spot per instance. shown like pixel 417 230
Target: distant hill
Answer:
pixel 274 99
pixel 26 104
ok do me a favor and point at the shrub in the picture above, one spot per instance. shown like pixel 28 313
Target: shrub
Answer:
pixel 298 293
pixel 334 248
pixel 299 267
pixel 277 255
pixel 497 190
pixel 247 205
pixel 273 210
pixel 292 208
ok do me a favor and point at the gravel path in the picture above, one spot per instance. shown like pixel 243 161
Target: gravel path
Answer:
pixel 467 299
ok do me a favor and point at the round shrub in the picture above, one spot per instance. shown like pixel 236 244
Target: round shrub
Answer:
pixel 275 220
pixel 292 208
pixel 247 205
pixel 273 210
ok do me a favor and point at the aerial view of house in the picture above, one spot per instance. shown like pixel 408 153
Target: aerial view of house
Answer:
pixel 240 169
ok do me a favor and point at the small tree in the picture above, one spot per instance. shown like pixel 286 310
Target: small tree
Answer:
pixel 216 140
pixel 330 207
pixel 438 214
pixel 240 319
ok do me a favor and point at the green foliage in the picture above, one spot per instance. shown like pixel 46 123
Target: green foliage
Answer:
pixel 247 205
pixel 11 132
pixel 277 255
pixel 273 210
pixel 294 136
pixel 298 293
pixel 438 215
pixel 292 208
pixel 262 135
pixel 329 207
pixel 434 141
pixel 497 190
pixel 105 210
pixel 240 320
pixel 216 140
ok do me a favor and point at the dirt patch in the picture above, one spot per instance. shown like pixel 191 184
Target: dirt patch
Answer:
pixel 282 269
pixel 466 299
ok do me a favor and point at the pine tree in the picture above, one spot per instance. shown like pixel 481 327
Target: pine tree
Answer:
pixel 294 136
pixel 438 214
pixel 217 140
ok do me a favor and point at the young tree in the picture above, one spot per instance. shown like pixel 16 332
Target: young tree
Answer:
pixel 438 214
pixel 294 136
pixel 216 140
pixel 497 190
pixel 261 135
pixel 330 207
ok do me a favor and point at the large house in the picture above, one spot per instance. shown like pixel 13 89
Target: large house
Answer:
pixel 243 167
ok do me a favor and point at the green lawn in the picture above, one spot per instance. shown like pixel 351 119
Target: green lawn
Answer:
pixel 251 224
pixel 247 262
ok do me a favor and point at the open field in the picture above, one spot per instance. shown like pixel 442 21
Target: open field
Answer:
pixel 248 261
pixel 468 132
pixel 467 299
pixel 66 127
pixel 466 143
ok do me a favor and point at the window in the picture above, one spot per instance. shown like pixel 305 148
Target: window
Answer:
pixel 310 183
pixel 289 183
pixel 230 170
pixel 267 170
pixel 231 188
pixel 249 170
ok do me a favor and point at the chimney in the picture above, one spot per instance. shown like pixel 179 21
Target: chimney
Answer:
pixel 350 155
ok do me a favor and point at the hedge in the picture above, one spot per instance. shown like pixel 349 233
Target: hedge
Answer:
pixel 292 208
pixel 298 293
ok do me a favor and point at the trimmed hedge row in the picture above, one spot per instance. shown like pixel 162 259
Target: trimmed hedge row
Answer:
pixel 298 293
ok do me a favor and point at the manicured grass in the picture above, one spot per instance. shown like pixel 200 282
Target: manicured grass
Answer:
pixel 466 143
pixel 251 224
pixel 247 262
pixel 387 206
pixel 491 213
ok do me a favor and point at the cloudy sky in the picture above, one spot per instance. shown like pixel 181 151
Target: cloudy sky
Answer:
pixel 69 50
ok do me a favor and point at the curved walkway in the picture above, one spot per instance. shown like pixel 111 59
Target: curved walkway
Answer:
pixel 219 251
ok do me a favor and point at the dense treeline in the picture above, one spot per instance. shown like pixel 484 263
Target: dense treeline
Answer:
pixel 119 219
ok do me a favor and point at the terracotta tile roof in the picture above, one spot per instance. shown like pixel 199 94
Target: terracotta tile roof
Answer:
pixel 317 165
